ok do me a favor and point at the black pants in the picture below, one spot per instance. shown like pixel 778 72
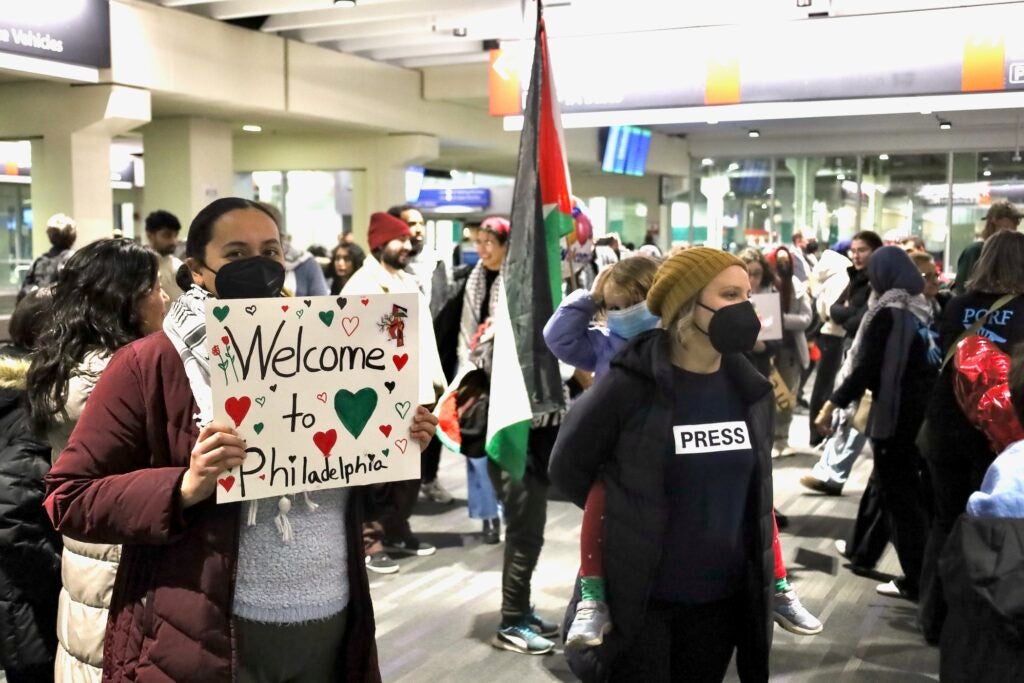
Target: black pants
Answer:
pixel 692 643
pixel 430 460
pixel 897 472
pixel 525 504
pixel 291 653
pixel 388 511
pixel 953 478
pixel 870 534
pixel 828 367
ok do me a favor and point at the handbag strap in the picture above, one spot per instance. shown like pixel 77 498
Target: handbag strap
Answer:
pixel 978 324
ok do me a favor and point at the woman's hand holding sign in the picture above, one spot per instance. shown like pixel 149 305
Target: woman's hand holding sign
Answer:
pixel 424 425
pixel 218 449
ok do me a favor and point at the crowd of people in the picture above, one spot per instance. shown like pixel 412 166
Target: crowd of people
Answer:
pixel 116 565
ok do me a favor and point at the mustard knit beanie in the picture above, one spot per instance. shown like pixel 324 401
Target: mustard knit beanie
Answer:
pixel 683 275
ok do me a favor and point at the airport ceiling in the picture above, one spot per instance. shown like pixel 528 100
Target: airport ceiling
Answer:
pixel 420 33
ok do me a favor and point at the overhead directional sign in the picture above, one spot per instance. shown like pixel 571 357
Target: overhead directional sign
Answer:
pixel 934 52
pixel 72 32
pixel 468 197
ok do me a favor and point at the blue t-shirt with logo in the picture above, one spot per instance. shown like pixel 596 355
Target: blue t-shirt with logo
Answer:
pixel 708 483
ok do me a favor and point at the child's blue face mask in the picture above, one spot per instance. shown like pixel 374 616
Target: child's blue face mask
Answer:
pixel 631 321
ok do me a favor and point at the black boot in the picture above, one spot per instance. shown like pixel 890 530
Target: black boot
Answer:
pixel 492 531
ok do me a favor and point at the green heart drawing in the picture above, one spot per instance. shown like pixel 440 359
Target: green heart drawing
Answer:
pixel 403 408
pixel 221 312
pixel 327 317
pixel 223 366
pixel 261 400
pixel 300 312
pixel 258 427
pixel 355 410
pixel 385 451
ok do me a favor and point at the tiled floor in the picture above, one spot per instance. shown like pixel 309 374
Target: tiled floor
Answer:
pixel 436 617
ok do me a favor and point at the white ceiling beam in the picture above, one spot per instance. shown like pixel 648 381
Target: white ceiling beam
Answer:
pixel 366 29
pixel 505 24
pixel 239 9
pixel 403 52
pixel 400 9
pixel 186 3
pixel 382 42
pixel 442 60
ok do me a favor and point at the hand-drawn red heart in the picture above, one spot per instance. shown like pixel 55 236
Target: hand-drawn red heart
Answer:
pixel 400 361
pixel 226 340
pixel 227 482
pixel 322 397
pixel 364 301
pixel 385 430
pixel 402 444
pixel 325 441
pixel 263 477
pixel 284 308
pixel 237 408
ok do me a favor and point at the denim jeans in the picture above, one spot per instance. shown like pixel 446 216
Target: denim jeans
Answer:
pixel 841 449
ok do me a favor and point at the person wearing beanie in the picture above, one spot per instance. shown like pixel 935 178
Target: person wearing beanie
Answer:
pixel 386 273
pixel 687 549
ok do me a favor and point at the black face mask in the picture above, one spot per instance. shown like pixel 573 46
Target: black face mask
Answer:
pixel 250 278
pixel 733 328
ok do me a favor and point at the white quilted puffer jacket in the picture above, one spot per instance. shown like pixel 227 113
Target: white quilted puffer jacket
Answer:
pixel 87 569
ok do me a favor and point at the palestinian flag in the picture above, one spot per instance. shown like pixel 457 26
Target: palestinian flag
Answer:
pixel 532 273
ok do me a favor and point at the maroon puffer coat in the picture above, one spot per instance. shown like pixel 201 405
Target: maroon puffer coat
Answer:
pixel 117 482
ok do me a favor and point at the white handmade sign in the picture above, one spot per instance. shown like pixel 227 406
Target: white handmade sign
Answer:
pixel 769 311
pixel 322 389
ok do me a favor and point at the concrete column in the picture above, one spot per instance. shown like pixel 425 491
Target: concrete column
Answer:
pixel 966 223
pixel 188 165
pixel 381 183
pixel 714 188
pixel 70 129
pixel 804 170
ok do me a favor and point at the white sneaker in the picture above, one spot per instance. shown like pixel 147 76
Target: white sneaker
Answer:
pixel 433 490
pixel 791 615
pixel 590 625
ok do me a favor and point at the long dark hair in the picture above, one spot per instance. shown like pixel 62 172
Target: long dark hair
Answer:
pixel 95 308
pixel 356 257
pixel 201 231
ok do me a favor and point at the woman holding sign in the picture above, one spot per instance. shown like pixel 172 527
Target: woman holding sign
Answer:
pixel 680 433
pixel 201 595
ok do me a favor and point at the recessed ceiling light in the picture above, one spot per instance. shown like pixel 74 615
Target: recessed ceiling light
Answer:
pixel 945 125
pixel 883 157
pixel 840 176
pixel 926 112
pixel 252 128
pixel 344 3
pixel 707 161
pixel 753 133
pixel 712 122
pixel 986 173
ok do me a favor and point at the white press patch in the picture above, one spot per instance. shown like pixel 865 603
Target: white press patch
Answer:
pixel 711 438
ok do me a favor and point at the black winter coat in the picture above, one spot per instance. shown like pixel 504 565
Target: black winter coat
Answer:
pixel 852 306
pixel 620 432
pixel 29 547
pixel 983 577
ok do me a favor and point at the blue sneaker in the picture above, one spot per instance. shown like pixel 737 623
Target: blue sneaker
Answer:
pixel 523 639
pixel 548 629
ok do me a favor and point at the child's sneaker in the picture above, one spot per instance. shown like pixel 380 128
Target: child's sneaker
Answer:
pixel 590 625
pixel 521 638
pixel 791 615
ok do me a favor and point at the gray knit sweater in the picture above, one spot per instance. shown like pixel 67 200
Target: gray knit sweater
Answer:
pixel 303 580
